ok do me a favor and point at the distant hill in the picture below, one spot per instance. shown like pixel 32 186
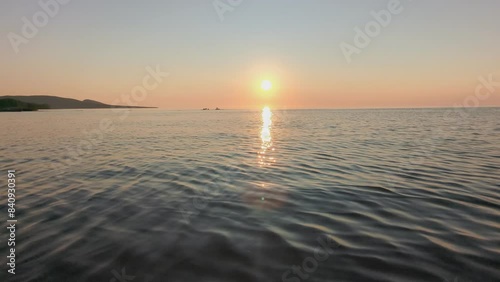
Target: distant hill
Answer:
pixel 13 105
pixel 54 102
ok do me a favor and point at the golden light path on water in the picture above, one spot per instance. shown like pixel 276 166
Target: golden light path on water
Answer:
pixel 265 136
pixel 266 197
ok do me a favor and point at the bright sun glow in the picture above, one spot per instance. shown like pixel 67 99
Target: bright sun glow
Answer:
pixel 266 85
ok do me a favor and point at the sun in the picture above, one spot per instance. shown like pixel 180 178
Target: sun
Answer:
pixel 266 85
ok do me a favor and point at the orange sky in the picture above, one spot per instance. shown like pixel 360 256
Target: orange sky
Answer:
pixel 430 55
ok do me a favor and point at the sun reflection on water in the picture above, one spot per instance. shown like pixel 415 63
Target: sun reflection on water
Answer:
pixel 265 136
pixel 266 196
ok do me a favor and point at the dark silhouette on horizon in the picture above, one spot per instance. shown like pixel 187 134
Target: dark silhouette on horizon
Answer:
pixel 55 102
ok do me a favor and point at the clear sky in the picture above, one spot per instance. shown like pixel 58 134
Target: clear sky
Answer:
pixel 430 54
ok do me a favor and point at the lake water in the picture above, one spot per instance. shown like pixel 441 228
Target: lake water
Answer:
pixel 271 195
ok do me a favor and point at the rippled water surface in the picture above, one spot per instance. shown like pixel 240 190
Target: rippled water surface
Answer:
pixel 271 195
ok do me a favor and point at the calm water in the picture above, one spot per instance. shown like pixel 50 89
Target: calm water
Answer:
pixel 345 195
